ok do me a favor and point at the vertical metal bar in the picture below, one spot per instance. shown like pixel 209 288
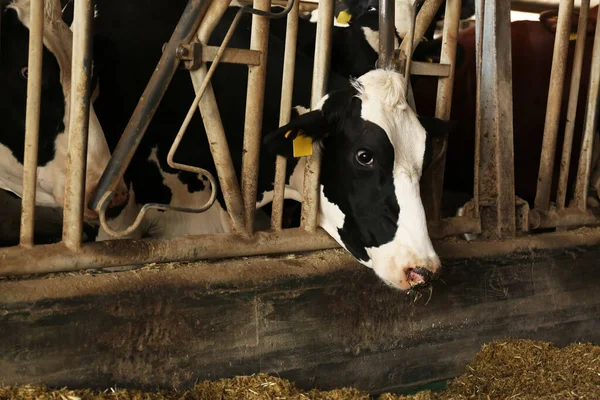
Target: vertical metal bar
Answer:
pixel 497 151
pixel 561 195
pixel 591 124
pixel 557 76
pixel 387 33
pixel 310 205
pixel 32 121
pixel 79 118
pixel 424 19
pixel 259 40
pixel 434 185
pixel 479 19
pixel 289 60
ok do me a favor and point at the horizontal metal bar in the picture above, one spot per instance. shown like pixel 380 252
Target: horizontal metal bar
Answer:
pixel 538 6
pixel 232 55
pixel 114 253
pixel 305 6
pixel 429 69
pixel 565 218
pixel 453 226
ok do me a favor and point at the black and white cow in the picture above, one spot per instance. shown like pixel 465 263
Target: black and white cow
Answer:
pixel 374 147
pixel 54 116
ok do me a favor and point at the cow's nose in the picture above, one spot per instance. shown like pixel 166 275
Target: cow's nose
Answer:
pixel 418 275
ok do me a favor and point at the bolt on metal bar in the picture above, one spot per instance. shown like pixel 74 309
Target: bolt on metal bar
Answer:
pixel 557 77
pixel 561 195
pixel 32 121
pixel 310 205
pixel 149 102
pixel 434 185
pixel 255 97
pixel 79 118
pixel 113 253
pixel 591 124
pixel 387 33
pixel 496 169
pixel 285 108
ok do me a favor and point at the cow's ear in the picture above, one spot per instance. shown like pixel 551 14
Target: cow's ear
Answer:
pixel 435 128
pixel 312 125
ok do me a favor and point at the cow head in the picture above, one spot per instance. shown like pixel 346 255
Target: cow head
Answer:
pixel 374 149
pixel 55 105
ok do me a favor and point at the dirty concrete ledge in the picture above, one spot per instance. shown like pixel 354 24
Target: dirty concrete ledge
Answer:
pixel 318 319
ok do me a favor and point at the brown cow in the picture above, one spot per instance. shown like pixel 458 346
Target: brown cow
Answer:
pixel 532 49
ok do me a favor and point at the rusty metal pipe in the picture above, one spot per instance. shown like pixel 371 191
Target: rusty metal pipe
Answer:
pixel 453 226
pixel 79 118
pixel 557 76
pixel 387 33
pixel 424 19
pixel 32 121
pixel 291 38
pixel 149 102
pixel 112 253
pixel 591 124
pixel 312 169
pixel 565 218
pixel 434 185
pixel 565 163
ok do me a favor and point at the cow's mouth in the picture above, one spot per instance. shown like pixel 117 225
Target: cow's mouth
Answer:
pixel 418 276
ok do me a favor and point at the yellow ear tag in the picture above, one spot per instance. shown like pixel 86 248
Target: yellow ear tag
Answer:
pixel 303 145
pixel 344 17
pixel 573 36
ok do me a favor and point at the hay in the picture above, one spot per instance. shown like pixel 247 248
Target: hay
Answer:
pixel 512 369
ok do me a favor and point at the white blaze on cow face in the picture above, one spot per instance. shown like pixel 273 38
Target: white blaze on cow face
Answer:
pixel 373 148
pixel 55 107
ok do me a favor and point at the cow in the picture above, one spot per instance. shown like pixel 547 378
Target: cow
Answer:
pixel 55 105
pixel 532 49
pixel 374 147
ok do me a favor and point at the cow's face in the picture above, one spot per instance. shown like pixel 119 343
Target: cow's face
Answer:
pixel 55 105
pixel 374 148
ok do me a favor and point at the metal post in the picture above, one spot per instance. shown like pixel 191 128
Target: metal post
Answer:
pixel 32 121
pixel 424 19
pixel 433 185
pixel 479 19
pixel 496 170
pixel 557 77
pixel 259 40
pixel 565 163
pixel 591 124
pixel 287 89
pixel 310 205
pixel 387 33
pixel 78 123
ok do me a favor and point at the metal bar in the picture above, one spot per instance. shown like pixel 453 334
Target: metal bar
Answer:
pixel 479 19
pixel 287 89
pixel 424 19
pixel 112 253
pixel 79 118
pixel 430 69
pixel 387 33
pixel 259 40
pixel 310 205
pixel 305 6
pixel 433 185
pixel 555 91
pixel 32 121
pixel 565 163
pixel 231 55
pixel 149 102
pixel 496 169
pixel 591 124
pixel 565 218
pixel 453 226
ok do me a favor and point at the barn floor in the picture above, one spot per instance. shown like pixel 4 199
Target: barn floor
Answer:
pixel 520 369
pixel 318 319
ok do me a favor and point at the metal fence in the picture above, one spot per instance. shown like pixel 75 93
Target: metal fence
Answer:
pixel 493 210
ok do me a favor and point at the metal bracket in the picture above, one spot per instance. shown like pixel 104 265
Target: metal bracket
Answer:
pixel 194 54
pixel 190 54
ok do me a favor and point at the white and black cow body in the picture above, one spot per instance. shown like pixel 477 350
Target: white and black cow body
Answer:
pixel 54 114
pixel 373 144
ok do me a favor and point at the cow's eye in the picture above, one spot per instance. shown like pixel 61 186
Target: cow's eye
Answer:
pixel 25 72
pixel 365 158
